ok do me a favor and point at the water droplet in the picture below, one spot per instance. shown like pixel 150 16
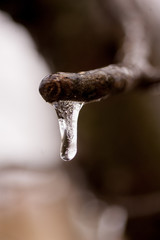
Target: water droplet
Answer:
pixel 68 112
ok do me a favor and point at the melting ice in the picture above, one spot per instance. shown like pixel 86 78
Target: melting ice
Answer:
pixel 68 112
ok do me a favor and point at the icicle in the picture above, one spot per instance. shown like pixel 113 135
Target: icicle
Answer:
pixel 67 112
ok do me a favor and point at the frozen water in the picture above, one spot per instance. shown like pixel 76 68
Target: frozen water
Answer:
pixel 68 112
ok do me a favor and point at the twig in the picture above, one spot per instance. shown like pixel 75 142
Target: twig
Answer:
pixel 95 84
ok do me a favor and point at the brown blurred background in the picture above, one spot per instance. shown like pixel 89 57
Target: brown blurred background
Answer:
pixel 113 184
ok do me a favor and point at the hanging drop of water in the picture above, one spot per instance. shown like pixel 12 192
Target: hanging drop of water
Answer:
pixel 67 112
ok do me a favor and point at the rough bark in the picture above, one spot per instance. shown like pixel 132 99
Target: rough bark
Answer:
pixel 96 84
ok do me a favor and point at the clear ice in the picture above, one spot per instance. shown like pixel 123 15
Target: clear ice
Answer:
pixel 68 112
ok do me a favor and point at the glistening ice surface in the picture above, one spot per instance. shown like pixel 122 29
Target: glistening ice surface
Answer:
pixel 68 112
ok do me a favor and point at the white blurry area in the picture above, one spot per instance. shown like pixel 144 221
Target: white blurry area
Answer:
pixel 28 125
pixel 150 10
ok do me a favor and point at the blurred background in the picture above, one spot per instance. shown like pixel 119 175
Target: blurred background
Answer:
pixel 111 190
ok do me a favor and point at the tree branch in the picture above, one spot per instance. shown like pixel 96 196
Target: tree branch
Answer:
pixel 133 72
pixel 96 84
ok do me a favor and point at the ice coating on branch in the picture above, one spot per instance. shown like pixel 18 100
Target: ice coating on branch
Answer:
pixel 68 112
